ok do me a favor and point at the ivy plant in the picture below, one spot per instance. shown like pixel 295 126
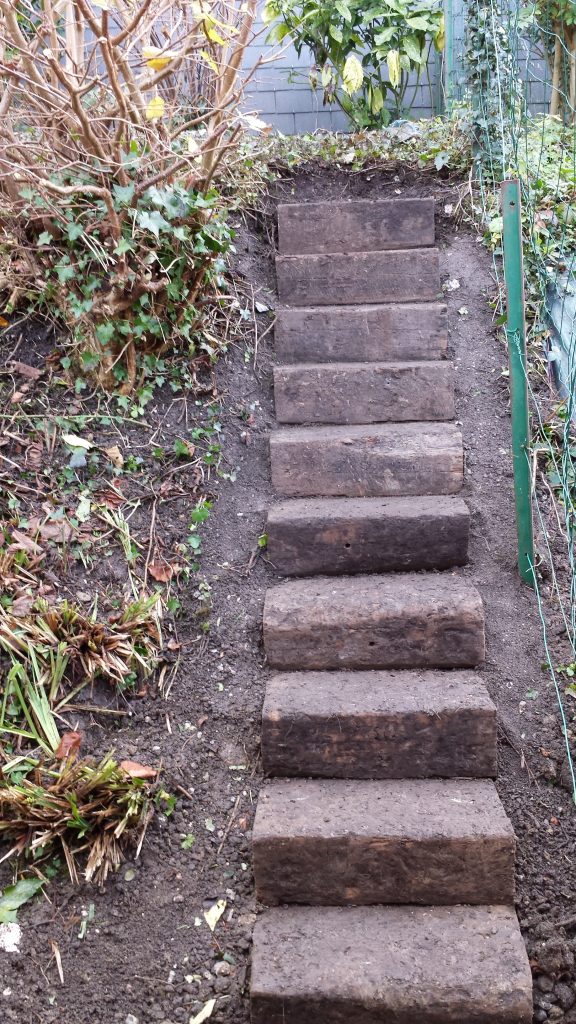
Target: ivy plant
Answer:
pixel 364 53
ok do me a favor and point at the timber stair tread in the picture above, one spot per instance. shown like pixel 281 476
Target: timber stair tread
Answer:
pixel 433 965
pixel 355 225
pixel 378 725
pixel 399 621
pixel 364 392
pixel 374 460
pixel 361 333
pixel 336 279
pixel 332 536
pixel 414 841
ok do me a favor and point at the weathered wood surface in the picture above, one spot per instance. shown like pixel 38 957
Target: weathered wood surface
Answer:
pixel 378 725
pixel 362 225
pixel 367 461
pixel 406 275
pixel 364 392
pixel 370 965
pixel 433 841
pixel 361 333
pixel 403 621
pixel 331 536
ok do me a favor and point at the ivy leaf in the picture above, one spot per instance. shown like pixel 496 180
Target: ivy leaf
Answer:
pixel 152 221
pixel 45 238
pixel 123 194
pixel 15 895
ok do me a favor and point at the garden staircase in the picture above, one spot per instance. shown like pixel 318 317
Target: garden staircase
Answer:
pixel 380 842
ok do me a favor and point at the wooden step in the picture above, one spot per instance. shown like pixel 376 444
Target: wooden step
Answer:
pixel 375 333
pixel 378 725
pixel 360 225
pixel 405 621
pixel 364 392
pixel 390 965
pixel 335 842
pixel 367 461
pixel 405 275
pixel 331 536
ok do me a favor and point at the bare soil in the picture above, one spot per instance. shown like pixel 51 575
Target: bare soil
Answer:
pixel 148 954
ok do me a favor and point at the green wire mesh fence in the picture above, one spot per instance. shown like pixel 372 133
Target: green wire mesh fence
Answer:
pixel 520 68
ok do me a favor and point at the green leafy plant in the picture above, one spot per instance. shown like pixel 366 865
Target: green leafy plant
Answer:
pixel 364 53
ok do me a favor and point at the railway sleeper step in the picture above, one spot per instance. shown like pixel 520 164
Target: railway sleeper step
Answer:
pixel 364 392
pixel 374 965
pixel 361 333
pixel 334 536
pixel 357 225
pixel 379 460
pixel 378 725
pixel 374 622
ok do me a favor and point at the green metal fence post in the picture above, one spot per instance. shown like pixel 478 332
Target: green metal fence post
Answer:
pixel 448 55
pixel 516 333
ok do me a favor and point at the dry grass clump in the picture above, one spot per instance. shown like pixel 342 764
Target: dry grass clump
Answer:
pixel 77 809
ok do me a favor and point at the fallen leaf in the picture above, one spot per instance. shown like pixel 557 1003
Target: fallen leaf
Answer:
pixel 138 771
pixel 22 606
pixel 60 531
pixel 69 745
pixel 213 915
pixel 84 508
pixel 161 571
pixel 205 1012
pixel 77 442
pixel 451 286
pixel 31 372
pixel 58 959
pixel 34 455
pixel 21 542
pixel 4 322
pixel 115 456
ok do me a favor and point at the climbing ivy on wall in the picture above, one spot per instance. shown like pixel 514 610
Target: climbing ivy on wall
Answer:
pixel 495 91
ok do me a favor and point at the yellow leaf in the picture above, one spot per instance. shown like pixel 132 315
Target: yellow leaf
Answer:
pixel 104 5
pixel 394 68
pixel 210 61
pixel 352 75
pixel 76 442
pixel 205 1012
pixel 213 915
pixel 158 59
pixel 440 37
pixel 376 100
pixel 115 456
pixel 155 109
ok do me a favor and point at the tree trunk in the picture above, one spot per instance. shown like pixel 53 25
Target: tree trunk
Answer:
pixel 555 99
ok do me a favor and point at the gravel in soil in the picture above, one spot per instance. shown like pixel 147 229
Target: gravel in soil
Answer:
pixel 148 953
